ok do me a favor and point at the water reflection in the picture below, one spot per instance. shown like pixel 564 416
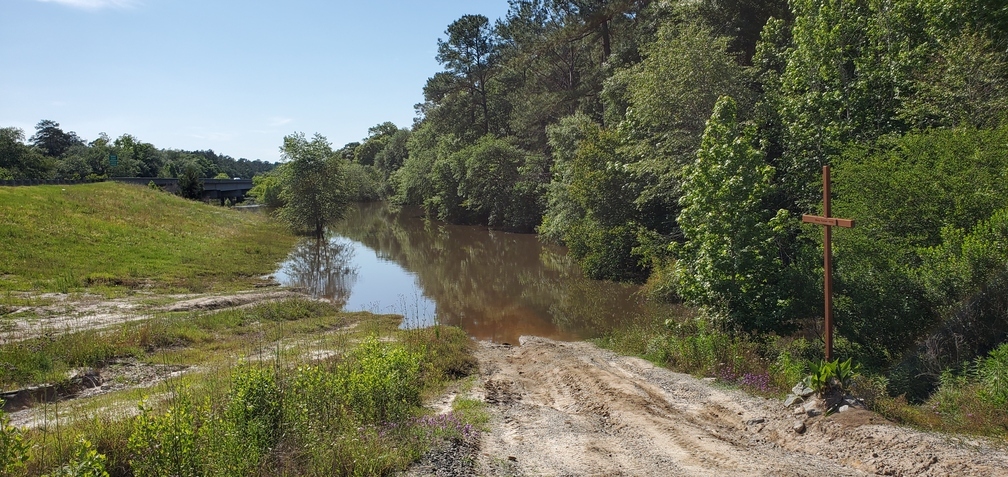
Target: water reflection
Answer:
pixel 323 267
pixel 495 285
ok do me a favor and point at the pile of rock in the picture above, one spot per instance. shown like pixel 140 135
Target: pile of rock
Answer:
pixel 806 403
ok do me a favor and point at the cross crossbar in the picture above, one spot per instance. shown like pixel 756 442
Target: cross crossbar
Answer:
pixel 830 221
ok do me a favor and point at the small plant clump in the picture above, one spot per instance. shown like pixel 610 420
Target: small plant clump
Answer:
pixel 360 415
pixel 13 448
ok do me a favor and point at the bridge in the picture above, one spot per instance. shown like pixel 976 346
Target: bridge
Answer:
pixel 213 189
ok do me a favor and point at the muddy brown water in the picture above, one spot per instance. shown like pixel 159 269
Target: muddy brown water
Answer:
pixel 495 285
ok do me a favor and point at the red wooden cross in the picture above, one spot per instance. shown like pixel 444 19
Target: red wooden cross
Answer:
pixel 829 223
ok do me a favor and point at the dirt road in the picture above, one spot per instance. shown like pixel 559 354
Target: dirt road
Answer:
pixel 573 409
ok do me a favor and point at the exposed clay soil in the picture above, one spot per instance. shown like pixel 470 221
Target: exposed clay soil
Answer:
pixel 68 313
pixel 63 313
pixel 573 409
pixel 127 373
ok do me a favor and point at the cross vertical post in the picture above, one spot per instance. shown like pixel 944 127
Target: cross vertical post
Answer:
pixel 828 222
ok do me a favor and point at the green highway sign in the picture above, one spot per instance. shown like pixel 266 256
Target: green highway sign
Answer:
pixel 113 159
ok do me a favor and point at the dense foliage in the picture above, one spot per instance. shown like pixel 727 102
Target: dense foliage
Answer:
pixel 54 154
pixel 597 124
pixel 312 184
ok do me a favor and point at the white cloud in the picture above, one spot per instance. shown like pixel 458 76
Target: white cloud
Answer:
pixel 95 4
pixel 277 121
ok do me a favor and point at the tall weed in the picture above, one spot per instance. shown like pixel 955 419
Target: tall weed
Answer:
pixel 13 448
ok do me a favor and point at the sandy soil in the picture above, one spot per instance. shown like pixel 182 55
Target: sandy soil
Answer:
pixel 62 313
pixel 574 409
pixel 68 313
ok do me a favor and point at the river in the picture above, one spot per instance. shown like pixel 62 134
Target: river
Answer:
pixel 495 285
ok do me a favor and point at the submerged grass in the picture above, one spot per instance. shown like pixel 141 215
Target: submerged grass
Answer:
pixel 109 236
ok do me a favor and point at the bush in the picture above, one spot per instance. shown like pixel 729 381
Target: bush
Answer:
pixel 254 406
pixel 928 245
pixel 992 373
pixel 606 253
pixel 87 462
pixel 13 448
pixel 166 444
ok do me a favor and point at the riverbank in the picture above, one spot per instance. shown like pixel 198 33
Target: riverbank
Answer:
pixel 110 239
pixel 265 382
pixel 138 336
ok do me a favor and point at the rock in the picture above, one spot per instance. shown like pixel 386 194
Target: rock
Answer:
pixel 811 408
pixel 799 427
pixel 791 399
pixel 753 422
pixel 799 411
pixel 845 408
pixel 802 390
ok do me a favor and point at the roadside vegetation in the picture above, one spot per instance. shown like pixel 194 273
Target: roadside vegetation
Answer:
pixel 677 144
pixel 281 387
pixel 112 238
pixel 689 143
pixel 293 387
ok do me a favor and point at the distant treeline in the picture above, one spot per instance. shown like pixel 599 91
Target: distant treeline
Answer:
pixel 679 143
pixel 54 154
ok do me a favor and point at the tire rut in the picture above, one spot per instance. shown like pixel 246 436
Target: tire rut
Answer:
pixel 563 408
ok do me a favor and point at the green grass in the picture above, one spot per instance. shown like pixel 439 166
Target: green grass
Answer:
pixel 257 400
pixel 181 338
pixel 112 236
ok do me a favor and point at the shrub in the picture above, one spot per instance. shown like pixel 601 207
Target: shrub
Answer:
pixel 166 444
pixel 13 448
pixel 993 375
pixel 380 382
pixel 254 406
pixel 87 462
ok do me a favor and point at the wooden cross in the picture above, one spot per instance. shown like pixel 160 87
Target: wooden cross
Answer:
pixel 829 223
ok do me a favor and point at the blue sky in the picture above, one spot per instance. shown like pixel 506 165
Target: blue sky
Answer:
pixel 232 76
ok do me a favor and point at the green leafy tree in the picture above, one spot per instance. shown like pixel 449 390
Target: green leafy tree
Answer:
pixel 729 262
pixel 18 161
pixel 962 83
pixel 313 184
pixel 392 156
pixel 378 137
pixel 52 140
pixel 470 55
pixel 562 210
pixel 412 183
pixel 501 184
pixel 591 199
pixel 190 183
pixel 670 93
pixel 928 243
pixel 267 188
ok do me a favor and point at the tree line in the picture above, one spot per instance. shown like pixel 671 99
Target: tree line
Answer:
pixel 679 143
pixel 54 154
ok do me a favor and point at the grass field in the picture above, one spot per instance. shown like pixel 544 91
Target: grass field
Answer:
pixel 106 235
pixel 292 386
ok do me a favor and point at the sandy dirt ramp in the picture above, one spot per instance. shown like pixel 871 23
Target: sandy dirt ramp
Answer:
pixel 574 409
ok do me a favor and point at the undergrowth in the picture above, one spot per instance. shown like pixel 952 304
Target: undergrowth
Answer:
pixel 356 412
pixel 972 399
